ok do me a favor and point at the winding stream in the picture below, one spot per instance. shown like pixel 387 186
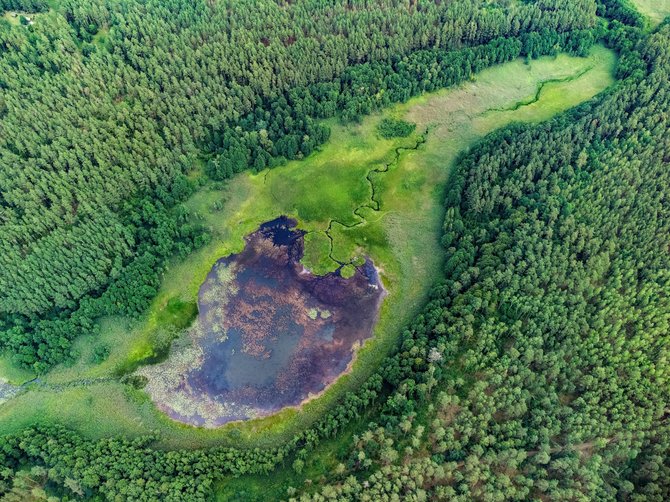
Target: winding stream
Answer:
pixel 203 380
pixel 374 203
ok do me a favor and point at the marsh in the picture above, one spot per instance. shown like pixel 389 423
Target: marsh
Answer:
pixel 269 333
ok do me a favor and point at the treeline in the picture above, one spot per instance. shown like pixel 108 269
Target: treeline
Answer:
pixel 132 469
pixel 161 233
pixel 285 128
pixel 622 11
pixel 105 105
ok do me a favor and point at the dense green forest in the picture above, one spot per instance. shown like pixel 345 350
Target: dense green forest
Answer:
pixel 555 311
pixel 539 368
pixel 107 107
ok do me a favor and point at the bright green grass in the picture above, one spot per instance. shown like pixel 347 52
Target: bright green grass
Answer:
pixel 8 16
pixel 655 10
pixel 327 190
pixel 12 374
pixel 16 20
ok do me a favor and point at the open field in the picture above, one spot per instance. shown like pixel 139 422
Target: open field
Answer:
pixel 655 10
pixel 11 17
pixel 331 194
pixel 14 17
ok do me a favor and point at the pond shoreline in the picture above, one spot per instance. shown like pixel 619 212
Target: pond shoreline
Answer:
pixel 269 334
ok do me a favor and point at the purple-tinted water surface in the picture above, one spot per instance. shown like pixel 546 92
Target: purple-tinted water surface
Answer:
pixel 269 333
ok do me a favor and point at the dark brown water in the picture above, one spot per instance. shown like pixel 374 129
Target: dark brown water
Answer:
pixel 269 333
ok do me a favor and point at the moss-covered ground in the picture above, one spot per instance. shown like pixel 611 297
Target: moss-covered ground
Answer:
pixel 360 195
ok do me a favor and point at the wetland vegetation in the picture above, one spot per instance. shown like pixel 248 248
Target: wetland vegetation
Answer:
pixel 269 333
pixel 331 195
pixel 268 240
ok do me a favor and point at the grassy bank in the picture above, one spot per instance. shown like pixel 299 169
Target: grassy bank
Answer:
pixel 331 194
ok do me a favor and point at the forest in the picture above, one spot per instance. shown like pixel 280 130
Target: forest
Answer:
pixel 536 368
pixel 123 129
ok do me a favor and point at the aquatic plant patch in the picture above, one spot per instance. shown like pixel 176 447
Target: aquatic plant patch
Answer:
pixel 269 333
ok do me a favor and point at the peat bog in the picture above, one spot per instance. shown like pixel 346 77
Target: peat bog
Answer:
pixel 269 333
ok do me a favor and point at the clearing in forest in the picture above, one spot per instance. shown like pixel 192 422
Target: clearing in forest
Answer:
pixel 361 196
pixel 655 10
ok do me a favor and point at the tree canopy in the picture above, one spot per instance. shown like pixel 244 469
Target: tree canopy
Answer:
pixel 539 367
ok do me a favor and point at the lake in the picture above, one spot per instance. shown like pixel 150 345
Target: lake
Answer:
pixel 269 333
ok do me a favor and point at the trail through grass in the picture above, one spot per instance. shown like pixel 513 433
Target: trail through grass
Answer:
pixel 360 195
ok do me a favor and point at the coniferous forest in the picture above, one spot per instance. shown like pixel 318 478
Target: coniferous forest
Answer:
pixel 536 368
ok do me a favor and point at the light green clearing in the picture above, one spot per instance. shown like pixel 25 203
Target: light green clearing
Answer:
pixel 9 16
pixel 655 10
pixel 100 38
pixel 12 374
pixel 14 17
pixel 327 190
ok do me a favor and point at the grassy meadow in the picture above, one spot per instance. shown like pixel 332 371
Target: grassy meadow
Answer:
pixel 330 193
pixel 655 10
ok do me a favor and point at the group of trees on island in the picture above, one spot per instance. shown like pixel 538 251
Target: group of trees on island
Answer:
pixel 537 370
pixel 395 128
